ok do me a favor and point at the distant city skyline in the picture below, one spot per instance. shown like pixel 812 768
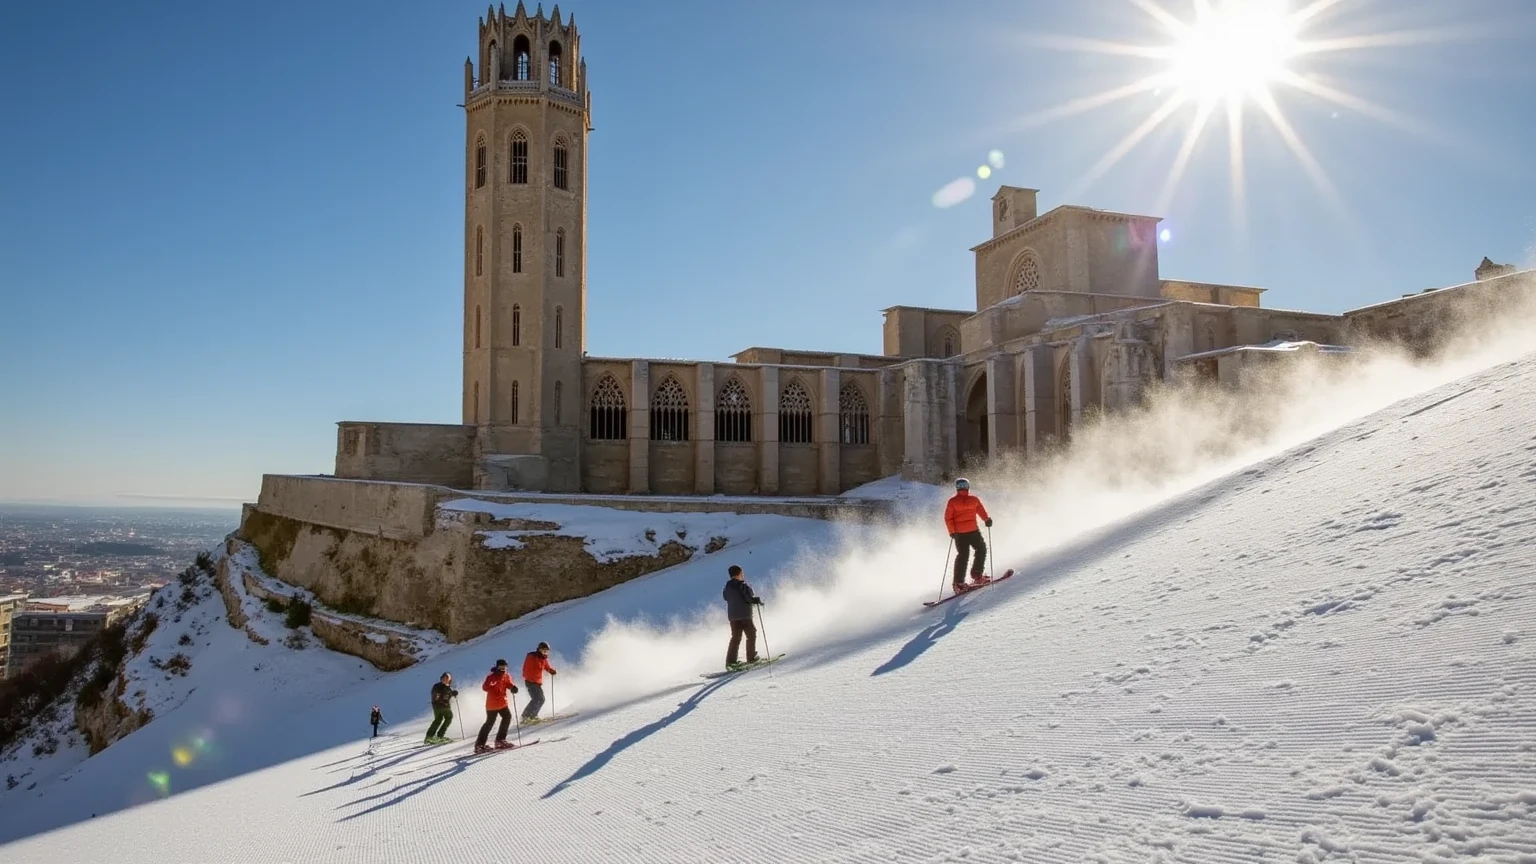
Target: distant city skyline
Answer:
pixel 211 254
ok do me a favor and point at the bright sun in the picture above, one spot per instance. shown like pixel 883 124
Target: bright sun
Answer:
pixel 1214 61
pixel 1234 51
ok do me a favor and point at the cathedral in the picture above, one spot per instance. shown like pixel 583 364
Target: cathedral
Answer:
pixel 1072 317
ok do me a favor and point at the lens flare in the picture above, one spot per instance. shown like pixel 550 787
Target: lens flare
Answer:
pixel 995 159
pixel 182 757
pixel 1165 235
pixel 954 193
pixel 984 171
pixel 161 781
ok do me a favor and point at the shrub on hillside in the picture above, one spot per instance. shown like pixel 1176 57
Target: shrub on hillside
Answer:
pixel 30 694
pixel 299 612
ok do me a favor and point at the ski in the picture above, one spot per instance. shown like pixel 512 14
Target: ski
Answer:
pixel 931 603
pixel 744 668
pixel 540 721
pixel 505 749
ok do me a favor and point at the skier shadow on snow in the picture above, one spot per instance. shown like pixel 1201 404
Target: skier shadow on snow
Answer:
pixel 368 769
pixel 410 788
pixel 619 745
pixel 924 640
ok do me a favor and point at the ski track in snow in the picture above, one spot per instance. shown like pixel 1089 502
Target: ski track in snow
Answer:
pixel 1288 664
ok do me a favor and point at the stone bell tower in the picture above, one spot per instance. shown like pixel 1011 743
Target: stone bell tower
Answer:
pixel 527 116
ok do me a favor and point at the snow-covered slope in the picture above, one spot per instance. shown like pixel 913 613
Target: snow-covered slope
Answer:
pixel 1327 654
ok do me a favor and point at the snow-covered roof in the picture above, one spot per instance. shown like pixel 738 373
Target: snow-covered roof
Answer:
pixel 81 603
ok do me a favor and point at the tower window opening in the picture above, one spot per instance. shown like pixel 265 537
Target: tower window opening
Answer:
pixel 517 248
pixel 519 158
pixel 517 324
pixel 559 391
pixel 562 179
pixel 522 68
pixel 477 326
pixel 554 65
pixel 559 325
pixel 480 163
pixel 514 403
pixel 477 403
pixel 560 252
pixel 479 251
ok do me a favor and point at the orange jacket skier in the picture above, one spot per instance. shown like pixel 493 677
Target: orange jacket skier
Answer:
pixel 960 516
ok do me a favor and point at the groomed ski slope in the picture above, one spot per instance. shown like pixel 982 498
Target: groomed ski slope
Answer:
pixel 1327 655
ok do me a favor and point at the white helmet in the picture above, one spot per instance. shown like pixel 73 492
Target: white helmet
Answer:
pixel 962 483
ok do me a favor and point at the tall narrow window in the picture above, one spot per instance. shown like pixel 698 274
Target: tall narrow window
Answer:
pixel 733 412
pixel 517 248
pixel 560 252
pixel 521 67
pixel 477 326
pixel 479 251
pixel 562 181
pixel 476 409
pixel 795 414
pixel 559 325
pixel 517 324
pixel 514 403
pixel 669 411
pixel 554 64
pixel 519 158
pixel 608 421
pixel 559 391
pixel 853 414
pixel 479 163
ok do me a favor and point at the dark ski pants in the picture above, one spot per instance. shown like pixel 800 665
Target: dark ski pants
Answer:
pixel 490 720
pixel 743 627
pixel 964 543
pixel 375 730
pixel 535 699
pixel 442 715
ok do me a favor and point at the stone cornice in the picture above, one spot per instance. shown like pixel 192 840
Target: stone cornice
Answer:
pixel 1042 220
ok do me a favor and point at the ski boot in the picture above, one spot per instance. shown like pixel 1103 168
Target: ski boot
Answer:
pixel 504 745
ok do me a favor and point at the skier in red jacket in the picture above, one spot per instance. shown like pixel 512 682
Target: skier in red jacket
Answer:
pixel 496 686
pixel 960 517
pixel 534 667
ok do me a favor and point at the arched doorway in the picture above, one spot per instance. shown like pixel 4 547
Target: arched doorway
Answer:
pixel 975 446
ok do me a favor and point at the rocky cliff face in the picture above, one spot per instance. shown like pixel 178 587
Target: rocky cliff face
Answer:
pixel 451 580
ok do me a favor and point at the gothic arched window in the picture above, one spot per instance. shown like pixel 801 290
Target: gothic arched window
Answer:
pixel 669 411
pixel 562 179
pixel 517 248
pixel 479 251
pixel 519 157
pixel 950 345
pixel 476 397
pixel 514 403
pixel 559 392
pixel 795 415
pixel 559 325
pixel 517 324
pixel 733 412
pixel 853 414
pixel 479 163
pixel 608 421
pixel 477 326
pixel 559 251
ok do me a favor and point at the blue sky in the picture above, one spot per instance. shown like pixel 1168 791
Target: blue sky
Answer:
pixel 225 227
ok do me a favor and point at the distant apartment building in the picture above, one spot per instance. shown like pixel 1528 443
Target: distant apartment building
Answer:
pixel 8 605
pixel 62 624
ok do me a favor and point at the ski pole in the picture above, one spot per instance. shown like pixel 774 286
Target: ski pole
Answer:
pixel 517 720
pixel 946 567
pixel 992 564
pixel 551 696
pixel 764 627
pixel 461 717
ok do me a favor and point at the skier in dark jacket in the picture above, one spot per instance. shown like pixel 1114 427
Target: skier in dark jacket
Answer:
pixel 739 600
pixel 442 709
pixel 375 718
